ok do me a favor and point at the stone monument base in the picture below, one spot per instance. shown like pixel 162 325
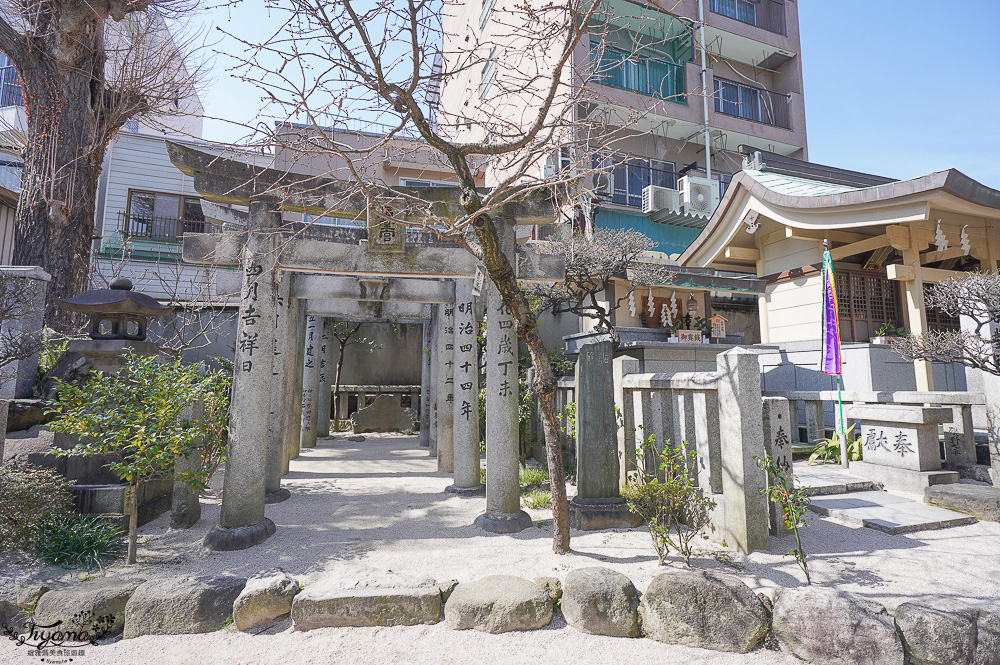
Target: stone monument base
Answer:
pixel 503 522
pixel 903 480
pixel 595 514
pixel 478 490
pixel 222 539
pixel 277 496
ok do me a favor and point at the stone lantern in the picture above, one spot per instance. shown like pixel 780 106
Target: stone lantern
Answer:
pixel 117 323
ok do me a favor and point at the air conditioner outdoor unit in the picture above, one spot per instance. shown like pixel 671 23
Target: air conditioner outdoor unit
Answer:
pixel 699 196
pixel 655 198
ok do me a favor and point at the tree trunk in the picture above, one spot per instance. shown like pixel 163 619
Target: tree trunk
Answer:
pixel 336 387
pixel 64 150
pixel 133 526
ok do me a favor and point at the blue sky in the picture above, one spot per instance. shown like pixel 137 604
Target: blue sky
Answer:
pixel 903 88
pixel 891 87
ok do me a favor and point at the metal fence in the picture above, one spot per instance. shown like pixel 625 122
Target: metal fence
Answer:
pixel 146 226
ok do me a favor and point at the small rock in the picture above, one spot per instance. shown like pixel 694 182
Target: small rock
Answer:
pixel 95 605
pixel 27 597
pixel 601 601
pixel 266 597
pixel 498 604
pixel 182 605
pixel 830 627
pixel 552 586
pixel 766 601
pixel 11 615
pixel 934 637
pixel 356 439
pixel 703 609
pixel 374 599
pixel 446 588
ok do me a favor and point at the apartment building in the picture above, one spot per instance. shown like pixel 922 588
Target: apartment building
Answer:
pixel 670 131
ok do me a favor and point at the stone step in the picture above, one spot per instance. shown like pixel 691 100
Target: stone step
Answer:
pixel 982 501
pixel 825 479
pixel 890 513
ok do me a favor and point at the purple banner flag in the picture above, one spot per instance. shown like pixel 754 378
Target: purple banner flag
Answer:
pixel 831 319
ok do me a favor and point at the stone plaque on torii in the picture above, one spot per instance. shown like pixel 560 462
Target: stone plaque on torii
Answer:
pixel 287 277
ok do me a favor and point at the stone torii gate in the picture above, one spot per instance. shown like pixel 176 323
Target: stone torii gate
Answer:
pixel 285 279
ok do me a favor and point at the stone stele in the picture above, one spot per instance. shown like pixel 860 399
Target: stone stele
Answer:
pixel 383 415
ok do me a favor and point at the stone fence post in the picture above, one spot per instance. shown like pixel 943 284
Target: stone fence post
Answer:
pixel 742 437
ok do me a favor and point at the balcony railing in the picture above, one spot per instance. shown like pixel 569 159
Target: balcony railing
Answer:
pixel 750 103
pixel 10 87
pixel 621 181
pixel 656 77
pixel 766 14
pixel 170 228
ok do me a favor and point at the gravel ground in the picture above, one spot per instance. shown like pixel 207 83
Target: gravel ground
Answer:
pixel 379 504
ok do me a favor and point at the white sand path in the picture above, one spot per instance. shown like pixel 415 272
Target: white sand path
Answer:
pixel 380 504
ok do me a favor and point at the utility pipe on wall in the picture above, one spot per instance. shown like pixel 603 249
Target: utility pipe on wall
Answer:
pixel 704 88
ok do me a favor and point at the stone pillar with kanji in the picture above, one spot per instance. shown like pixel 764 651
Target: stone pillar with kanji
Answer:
pixel 503 497
pixel 310 383
pixel 242 522
pixel 465 430
pixel 446 389
pixel 277 421
pixel 323 395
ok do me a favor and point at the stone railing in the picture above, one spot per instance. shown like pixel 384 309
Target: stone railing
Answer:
pixel 959 438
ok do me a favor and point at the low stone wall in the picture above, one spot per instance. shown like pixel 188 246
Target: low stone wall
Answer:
pixel 690 607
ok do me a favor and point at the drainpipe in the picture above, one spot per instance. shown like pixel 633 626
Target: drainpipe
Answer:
pixel 704 88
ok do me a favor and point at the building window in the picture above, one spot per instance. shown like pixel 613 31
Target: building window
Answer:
pixel 489 73
pixel 484 15
pixel 864 302
pixel 623 177
pixel 767 14
pixel 412 182
pixel 724 181
pixel 656 76
pixel 333 221
pixel 750 103
pixel 10 83
pixel 159 215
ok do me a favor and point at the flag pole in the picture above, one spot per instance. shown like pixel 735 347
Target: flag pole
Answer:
pixel 831 361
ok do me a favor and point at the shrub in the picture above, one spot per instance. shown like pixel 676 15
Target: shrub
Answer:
pixel 674 508
pixel 79 540
pixel 138 418
pixel 533 475
pixel 792 500
pixel 538 499
pixel 829 449
pixel 29 495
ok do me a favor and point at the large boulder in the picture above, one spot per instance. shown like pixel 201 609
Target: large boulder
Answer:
pixel 96 606
pixel 601 601
pixel 987 639
pixel 71 367
pixel 935 637
pixel 24 414
pixel 182 605
pixel 830 627
pixel 266 597
pixel 498 604
pixel 383 415
pixel 369 599
pixel 982 501
pixel 704 609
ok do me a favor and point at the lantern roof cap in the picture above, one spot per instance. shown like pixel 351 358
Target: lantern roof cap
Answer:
pixel 118 298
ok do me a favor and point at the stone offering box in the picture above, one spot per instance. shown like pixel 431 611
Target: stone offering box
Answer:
pixel 899 445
